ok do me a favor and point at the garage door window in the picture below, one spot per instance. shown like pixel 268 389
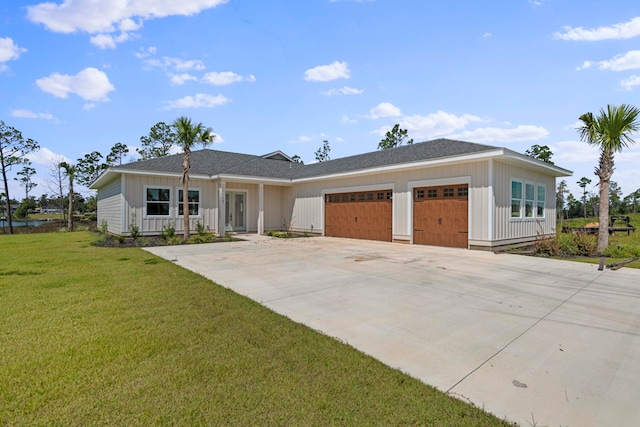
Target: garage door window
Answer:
pixel 448 192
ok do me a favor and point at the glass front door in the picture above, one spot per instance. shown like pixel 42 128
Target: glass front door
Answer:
pixel 235 207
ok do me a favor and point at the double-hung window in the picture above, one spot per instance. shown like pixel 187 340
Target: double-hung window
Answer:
pixel 541 201
pixel 194 202
pixel 529 199
pixel 158 201
pixel 516 199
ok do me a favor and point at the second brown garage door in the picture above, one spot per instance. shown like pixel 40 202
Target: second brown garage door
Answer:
pixel 359 215
pixel 441 216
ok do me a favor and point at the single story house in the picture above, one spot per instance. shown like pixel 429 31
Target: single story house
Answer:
pixel 441 192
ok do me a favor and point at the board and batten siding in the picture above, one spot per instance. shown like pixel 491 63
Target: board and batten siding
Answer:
pixel 274 208
pixel 134 209
pixel 110 206
pixel 307 203
pixel 508 230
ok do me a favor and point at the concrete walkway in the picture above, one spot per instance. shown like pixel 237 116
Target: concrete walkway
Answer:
pixel 540 342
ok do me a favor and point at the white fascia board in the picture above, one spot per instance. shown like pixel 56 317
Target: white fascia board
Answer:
pixel 407 166
pixel 252 179
pixel 554 170
pixel 102 178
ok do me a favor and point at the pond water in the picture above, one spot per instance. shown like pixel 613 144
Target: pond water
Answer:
pixel 4 223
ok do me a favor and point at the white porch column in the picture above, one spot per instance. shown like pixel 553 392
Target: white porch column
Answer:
pixel 261 209
pixel 222 195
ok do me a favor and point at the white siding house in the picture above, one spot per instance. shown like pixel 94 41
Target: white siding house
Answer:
pixel 449 192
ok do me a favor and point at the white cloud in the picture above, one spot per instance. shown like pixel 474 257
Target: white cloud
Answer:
pixel 90 84
pixel 28 114
pixel 226 78
pixel 627 61
pixel 384 109
pixel 326 73
pixel 105 17
pixel 630 83
pixel 575 151
pixel 89 106
pixel 486 35
pixel 180 79
pixel 577 124
pixel 145 53
pixel 107 41
pixel 346 90
pixel 200 100
pixel 491 134
pixel 436 124
pixel 9 51
pixel 347 119
pixel 625 30
pixel 177 64
pixel 46 157
pixel 585 65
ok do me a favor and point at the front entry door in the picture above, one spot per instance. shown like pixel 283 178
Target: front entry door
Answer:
pixel 235 211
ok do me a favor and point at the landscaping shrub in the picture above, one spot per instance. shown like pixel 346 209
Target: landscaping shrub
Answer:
pixel 168 231
pixel 568 244
pixel 201 238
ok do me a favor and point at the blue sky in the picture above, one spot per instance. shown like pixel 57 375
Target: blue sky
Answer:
pixel 81 75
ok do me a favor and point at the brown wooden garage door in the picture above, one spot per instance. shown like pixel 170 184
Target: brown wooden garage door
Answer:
pixel 441 216
pixel 359 215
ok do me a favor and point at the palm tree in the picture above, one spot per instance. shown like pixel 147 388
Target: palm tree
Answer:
pixel 70 172
pixel 611 131
pixel 189 134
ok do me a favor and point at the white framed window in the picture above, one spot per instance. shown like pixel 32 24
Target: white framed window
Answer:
pixel 157 201
pixel 541 200
pixel 194 202
pixel 529 199
pixel 516 199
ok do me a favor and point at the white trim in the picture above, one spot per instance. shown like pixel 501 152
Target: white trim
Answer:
pixel 222 195
pixel 491 202
pixel 123 207
pixel 435 183
pixel 260 208
pixel 359 188
pixel 144 200
pixel 252 179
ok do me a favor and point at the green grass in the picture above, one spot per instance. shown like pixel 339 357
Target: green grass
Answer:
pixel 95 336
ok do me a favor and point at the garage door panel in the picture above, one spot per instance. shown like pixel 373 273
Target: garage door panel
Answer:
pixel 359 216
pixel 440 216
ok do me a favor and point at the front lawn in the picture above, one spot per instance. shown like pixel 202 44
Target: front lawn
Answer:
pixel 117 336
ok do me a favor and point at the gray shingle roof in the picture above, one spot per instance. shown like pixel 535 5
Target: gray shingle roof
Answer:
pixel 214 162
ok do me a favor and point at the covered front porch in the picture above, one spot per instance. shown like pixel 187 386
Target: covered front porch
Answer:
pixel 252 207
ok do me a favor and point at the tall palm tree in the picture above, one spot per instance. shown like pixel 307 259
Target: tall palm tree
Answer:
pixel 70 172
pixel 611 131
pixel 189 134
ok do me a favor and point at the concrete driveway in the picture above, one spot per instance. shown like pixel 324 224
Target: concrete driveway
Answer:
pixel 540 342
